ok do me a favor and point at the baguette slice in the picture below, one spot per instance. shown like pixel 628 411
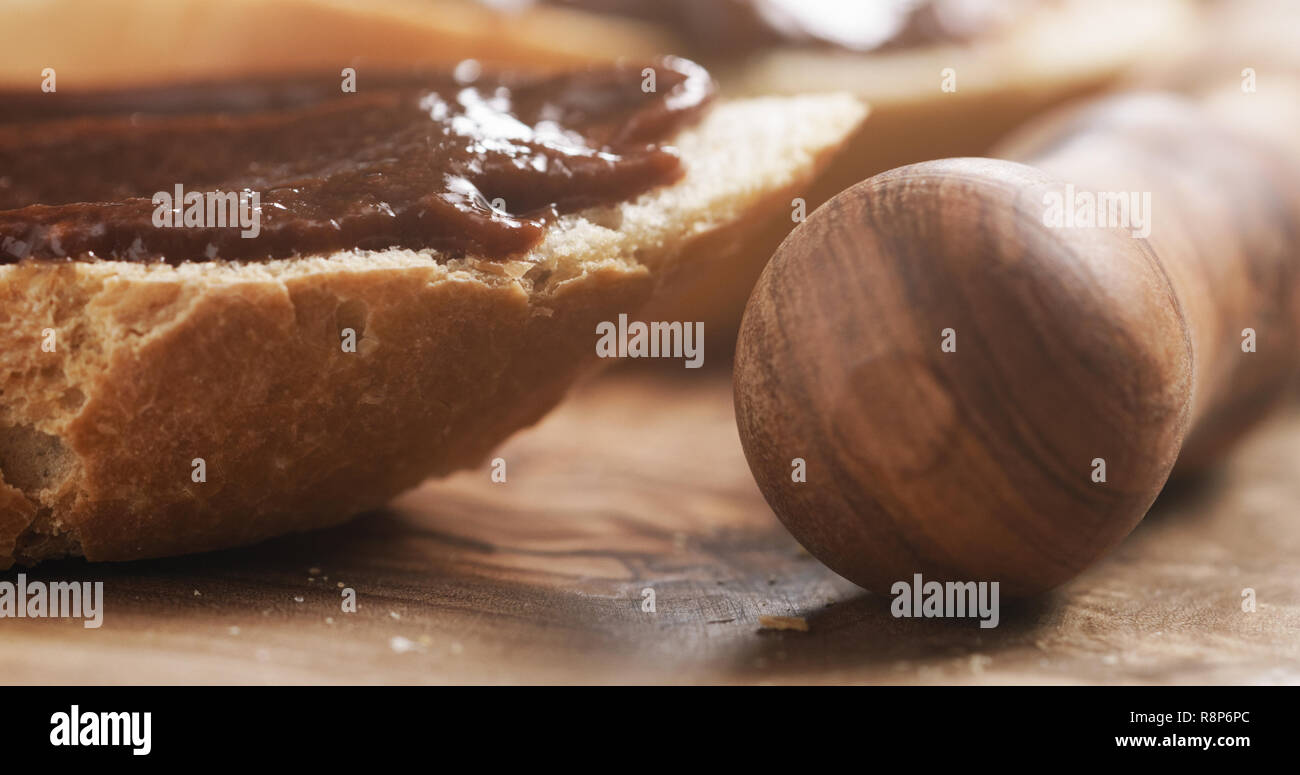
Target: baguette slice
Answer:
pixel 946 100
pixel 157 367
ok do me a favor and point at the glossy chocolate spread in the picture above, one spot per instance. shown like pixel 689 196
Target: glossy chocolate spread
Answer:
pixel 410 162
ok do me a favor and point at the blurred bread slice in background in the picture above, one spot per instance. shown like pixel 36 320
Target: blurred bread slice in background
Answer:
pixel 123 43
pixel 1045 53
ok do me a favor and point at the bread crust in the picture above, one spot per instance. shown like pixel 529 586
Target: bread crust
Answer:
pixel 242 366
pixel 170 41
pixel 1052 54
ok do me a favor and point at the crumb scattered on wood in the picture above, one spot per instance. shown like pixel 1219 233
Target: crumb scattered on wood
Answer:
pixel 796 623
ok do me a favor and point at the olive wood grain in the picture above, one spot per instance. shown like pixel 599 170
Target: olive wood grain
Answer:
pixel 638 481
pixel 1072 345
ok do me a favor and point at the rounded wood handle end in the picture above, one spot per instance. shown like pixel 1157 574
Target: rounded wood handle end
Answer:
pixel 990 368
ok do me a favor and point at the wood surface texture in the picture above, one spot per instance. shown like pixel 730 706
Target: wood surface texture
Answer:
pixel 1071 345
pixel 639 481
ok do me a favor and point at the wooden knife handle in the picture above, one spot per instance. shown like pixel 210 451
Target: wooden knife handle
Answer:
pixel 1225 230
pixel 981 390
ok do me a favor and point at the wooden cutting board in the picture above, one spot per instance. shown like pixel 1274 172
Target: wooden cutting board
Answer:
pixel 639 483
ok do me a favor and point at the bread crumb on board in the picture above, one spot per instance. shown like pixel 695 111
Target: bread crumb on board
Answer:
pixel 797 623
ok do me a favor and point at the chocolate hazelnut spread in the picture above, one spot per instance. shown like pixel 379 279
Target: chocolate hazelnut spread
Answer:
pixel 740 26
pixel 469 164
